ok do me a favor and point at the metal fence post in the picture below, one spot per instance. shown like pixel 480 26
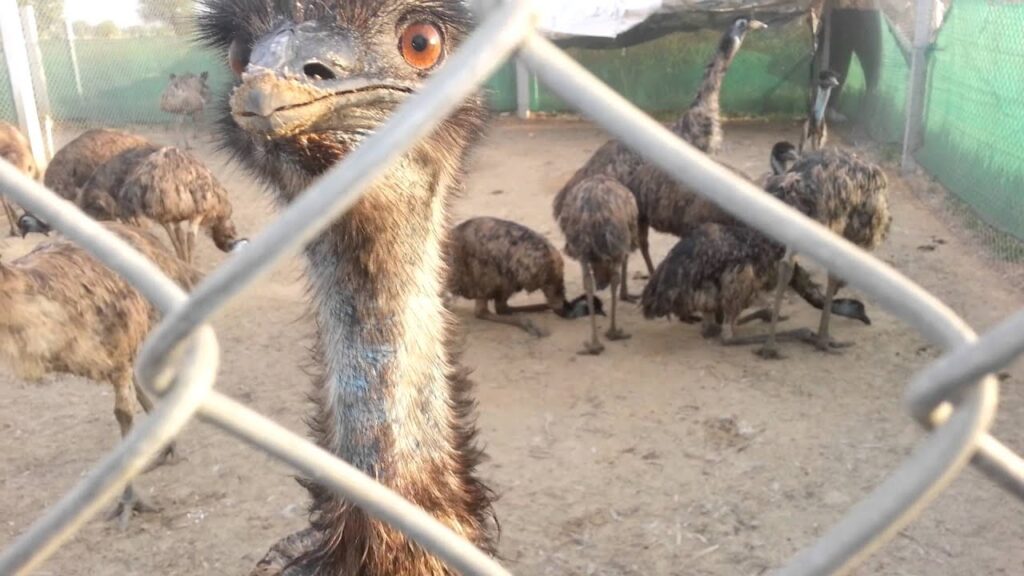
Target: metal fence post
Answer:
pixel 21 77
pixel 913 135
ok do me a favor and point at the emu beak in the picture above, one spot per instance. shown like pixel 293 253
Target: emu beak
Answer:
pixel 757 25
pixel 298 79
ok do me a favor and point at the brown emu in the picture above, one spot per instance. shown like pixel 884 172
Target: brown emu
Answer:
pixel 598 217
pixel 700 125
pixel 815 133
pixel 493 259
pixel 99 198
pixel 62 311
pixel 15 149
pixel 847 195
pixel 316 79
pixel 186 96
pixel 74 164
pixel 174 189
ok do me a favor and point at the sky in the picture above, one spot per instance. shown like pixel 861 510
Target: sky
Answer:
pixel 122 12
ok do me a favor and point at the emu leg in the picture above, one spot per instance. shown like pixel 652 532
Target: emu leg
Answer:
pixel 710 328
pixel 762 315
pixel 618 283
pixel 12 215
pixel 624 284
pixel 124 413
pixel 644 232
pixel 770 349
pixel 522 323
pixel 824 342
pixel 181 234
pixel 594 347
pixel 191 237
pixel 172 234
pixel 170 454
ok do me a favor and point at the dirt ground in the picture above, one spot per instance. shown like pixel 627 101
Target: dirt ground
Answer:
pixel 667 455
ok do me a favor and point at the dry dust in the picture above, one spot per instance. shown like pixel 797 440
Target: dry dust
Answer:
pixel 667 455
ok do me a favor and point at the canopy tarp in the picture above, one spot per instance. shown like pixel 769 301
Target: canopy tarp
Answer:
pixel 620 23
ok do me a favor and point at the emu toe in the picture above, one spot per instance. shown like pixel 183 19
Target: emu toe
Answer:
pixel 617 335
pixel 591 349
pixel 129 504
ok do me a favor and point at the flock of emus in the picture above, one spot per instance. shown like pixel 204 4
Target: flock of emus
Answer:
pixel 719 268
pixel 314 79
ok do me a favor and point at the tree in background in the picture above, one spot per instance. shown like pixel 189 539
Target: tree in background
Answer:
pixel 107 29
pixel 178 14
pixel 49 15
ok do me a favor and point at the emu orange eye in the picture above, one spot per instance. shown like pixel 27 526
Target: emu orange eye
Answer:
pixel 421 45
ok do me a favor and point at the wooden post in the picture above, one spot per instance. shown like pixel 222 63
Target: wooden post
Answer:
pixel 913 134
pixel 39 84
pixel 21 78
pixel 522 91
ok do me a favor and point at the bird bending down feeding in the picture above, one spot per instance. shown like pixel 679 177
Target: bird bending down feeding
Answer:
pixel 74 164
pixel 63 311
pixel 668 206
pixel 700 125
pixel 14 148
pixel 493 259
pixel 174 189
pixel 598 217
pixel 815 133
pixel 317 78
pixel 847 195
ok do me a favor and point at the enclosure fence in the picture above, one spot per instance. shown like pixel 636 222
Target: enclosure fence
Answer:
pixel 956 398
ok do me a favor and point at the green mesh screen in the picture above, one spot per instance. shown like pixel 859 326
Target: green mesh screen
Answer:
pixel 975 122
pixel 768 78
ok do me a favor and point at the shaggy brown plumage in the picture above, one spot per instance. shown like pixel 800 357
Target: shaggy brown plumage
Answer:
pixel 186 96
pixel 670 207
pixel 62 311
pixel 700 125
pixel 15 149
pixel 716 271
pixel 493 259
pixel 75 163
pixel 389 398
pixel 100 197
pixel 847 195
pixel 599 219
pixel 174 189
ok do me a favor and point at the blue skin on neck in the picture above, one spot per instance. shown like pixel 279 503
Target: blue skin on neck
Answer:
pixel 821 103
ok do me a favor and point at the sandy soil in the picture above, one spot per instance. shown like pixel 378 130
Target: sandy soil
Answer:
pixel 667 455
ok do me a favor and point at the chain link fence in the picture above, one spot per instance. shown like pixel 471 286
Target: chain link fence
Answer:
pixel 953 397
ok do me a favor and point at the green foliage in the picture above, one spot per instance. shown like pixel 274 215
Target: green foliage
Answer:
pixel 178 14
pixel 49 16
pixel 107 29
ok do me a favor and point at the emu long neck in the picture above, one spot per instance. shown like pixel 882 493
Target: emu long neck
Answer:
pixel 386 401
pixel 704 112
pixel 820 104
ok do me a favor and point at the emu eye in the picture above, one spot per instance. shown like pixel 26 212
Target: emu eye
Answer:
pixel 238 56
pixel 421 45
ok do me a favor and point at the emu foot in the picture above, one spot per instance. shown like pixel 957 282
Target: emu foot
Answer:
pixel 711 331
pixel 828 345
pixel 769 353
pixel 129 504
pixel 168 457
pixel 631 298
pixel 617 335
pixel 591 349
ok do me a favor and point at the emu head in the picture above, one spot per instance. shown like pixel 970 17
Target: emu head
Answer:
pixel 828 80
pixel 579 308
pixel 784 155
pixel 737 32
pixel 29 224
pixel 317 77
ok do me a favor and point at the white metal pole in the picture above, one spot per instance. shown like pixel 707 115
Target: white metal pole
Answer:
pixel 39 84
pixel 913 134
pixel 21 78
pixel 522 91
pixel 69 31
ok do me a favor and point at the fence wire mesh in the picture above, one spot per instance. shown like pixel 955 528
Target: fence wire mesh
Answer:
pixel 953 397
